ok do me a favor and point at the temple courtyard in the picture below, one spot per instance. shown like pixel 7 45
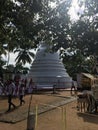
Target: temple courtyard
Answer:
pixel 53 112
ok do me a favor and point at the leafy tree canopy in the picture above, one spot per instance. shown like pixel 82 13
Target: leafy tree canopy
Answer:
pixel 23 23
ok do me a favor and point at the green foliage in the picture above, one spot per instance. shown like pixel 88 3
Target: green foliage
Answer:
pixel 24 23
pixel 84 32
pixel 77 62
pixel 19 68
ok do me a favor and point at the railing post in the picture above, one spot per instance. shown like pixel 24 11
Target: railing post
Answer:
pixel 31 121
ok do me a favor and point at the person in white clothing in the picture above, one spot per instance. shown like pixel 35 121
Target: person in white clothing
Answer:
pixel 21 93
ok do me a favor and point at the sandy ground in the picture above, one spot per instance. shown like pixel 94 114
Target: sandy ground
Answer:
pixel 62 118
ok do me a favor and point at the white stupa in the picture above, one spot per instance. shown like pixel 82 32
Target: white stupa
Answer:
pixel 48 70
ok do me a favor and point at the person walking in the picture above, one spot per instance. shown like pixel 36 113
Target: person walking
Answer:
pixel 10 95
pixel 31 86
pixel 73 86
pixel 21 93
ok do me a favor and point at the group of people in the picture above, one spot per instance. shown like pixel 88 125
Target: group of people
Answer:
pixel 12 88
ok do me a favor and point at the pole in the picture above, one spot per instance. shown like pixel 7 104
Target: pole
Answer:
pixel 31 117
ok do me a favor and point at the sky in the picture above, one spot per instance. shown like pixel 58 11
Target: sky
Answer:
pixel 73 12
pixel 75 9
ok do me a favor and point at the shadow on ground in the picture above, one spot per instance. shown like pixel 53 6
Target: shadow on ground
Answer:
pixel 87 117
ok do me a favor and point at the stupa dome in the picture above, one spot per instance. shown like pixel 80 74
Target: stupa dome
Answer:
pixel 48 69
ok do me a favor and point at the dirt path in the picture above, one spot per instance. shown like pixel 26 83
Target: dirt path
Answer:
pixel 54 119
